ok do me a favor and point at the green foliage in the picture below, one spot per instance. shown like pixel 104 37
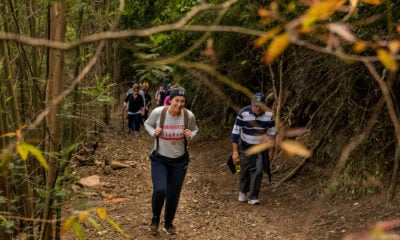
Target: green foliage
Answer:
pixel 365 30
pixel 8 225
pixel 137 14
pixel 171 11
pixel 154 74
pixel 101 91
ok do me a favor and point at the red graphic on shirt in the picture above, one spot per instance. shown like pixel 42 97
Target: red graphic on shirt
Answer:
pixel 172 133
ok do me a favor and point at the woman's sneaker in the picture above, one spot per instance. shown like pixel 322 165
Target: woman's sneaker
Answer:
pixel 154 226
pixel 253 201
pixel 169 229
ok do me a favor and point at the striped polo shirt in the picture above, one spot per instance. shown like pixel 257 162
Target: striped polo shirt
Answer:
pixel 251 128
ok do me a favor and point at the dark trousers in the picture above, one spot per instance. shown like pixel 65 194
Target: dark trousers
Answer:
pixel 251 171
pixel 134 121
pixel 167 177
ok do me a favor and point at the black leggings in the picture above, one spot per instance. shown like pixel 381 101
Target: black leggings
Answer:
pixel 134 121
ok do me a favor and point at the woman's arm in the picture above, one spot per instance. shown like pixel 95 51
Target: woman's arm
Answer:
pixel 151 123
pixel 192 124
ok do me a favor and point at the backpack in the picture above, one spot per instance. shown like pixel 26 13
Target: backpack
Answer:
pixel 162 119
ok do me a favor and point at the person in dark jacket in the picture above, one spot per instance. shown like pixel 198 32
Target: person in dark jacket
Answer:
pixel 135 106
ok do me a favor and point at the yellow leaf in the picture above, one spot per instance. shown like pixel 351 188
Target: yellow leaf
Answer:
pixel 78 230
pixel 23 150
pixel 266 36
pixel 359 46
pixel 276 48
pixel 263 13
pixel 38 155
pixel 94 224
pixel 304 30
pixel 67 225
pixel 387 59
pixel 116 227
pixel 372 2
pixel 259 148
pixel 295 148
pixel 321 10
pixel 102 213
pixel 82 216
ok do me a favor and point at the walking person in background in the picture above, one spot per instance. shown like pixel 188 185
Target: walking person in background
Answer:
pixel 130 88
pixel 167 99
pixel 161 95
pixel 252 125
pixel 145 85
pixel 134 104
pixel 172 126
pixel 147 105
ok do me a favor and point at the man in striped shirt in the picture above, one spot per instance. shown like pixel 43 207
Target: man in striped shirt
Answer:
pixel 252 126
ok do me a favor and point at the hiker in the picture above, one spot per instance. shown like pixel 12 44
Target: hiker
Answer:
pixel 172 126
pixel 135 106
pixel 161 94
pixel 130 88
pixel 253 124
pixel 147 105
pixel 141 91
pixel 167 99
pixel 145 85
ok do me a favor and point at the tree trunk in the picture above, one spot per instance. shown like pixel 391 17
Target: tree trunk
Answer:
pixel 73 127
pixel 11 124
pixel 117 75
pixel 57 24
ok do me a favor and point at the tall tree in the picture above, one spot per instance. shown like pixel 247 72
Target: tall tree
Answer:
pixel 57 28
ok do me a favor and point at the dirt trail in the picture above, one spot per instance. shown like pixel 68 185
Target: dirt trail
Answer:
pixel 208 207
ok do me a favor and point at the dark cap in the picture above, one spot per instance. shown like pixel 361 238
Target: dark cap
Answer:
pixel 258 99
pixel 177 92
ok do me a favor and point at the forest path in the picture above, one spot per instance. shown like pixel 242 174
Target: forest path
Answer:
pixel 208 207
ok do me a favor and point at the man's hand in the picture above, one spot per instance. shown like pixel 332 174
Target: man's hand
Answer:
pixel 235 156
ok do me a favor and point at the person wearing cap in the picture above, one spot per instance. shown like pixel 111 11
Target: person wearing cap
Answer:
pixel 252 125
pixel 169 157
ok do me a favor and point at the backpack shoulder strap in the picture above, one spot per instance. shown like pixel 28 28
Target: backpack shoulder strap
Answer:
pixel 186 122
pixel 162 119
pixel 186 118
